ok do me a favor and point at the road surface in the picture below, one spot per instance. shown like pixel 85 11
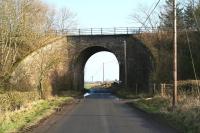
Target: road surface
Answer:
pixel 102 113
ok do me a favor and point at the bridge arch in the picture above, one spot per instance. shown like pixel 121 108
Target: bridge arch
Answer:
pixel 80 62
pixel 76 50
pixel 140 62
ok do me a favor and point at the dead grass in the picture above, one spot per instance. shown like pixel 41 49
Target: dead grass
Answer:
pixel 186 116
pixel 14 100
pixel 13 121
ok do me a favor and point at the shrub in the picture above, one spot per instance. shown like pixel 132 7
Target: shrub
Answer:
pixel 189 86
pixel 14 100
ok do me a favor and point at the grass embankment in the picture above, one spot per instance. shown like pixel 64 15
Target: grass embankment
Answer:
pixel 186 116
pixel 129 94
pixel 29 114
pixel 89 85
pixel 105 85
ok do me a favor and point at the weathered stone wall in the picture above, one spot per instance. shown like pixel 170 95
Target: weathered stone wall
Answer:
pixel 44 63
pixel 67 72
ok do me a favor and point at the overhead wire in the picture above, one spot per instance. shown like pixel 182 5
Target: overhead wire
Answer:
pixel 148 16
pixel 191 55
pixel 192 59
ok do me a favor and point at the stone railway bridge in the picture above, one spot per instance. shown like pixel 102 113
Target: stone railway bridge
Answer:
pixel 78 48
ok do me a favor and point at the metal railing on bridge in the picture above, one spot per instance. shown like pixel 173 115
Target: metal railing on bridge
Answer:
pixel 106 31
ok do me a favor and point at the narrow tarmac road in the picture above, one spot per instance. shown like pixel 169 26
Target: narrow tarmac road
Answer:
pixel 102 113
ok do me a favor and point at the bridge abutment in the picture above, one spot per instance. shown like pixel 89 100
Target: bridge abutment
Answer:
pixel 76 50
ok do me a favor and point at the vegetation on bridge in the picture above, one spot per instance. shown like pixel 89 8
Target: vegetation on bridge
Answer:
pixel 160 42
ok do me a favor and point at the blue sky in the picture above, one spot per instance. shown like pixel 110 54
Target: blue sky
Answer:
pixel 103 14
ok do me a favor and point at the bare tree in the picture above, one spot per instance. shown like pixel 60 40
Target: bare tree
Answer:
pixel 65 19
pixel 24 27
pixel 45 60
pixel 144 18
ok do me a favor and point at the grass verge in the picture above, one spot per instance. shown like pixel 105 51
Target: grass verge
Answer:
pixel 129 94
pixel 184 118
pixel 13 121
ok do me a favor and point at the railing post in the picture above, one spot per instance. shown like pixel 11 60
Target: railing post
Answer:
pixel 101 31
pixel 127 30
pixel 114 30
pixel 91 31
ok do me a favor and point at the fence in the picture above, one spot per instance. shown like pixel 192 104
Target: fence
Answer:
pixel 113 31
pixel 186 87
pixel 106 31
pixel 163 89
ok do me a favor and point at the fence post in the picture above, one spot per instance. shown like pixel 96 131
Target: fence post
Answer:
pixel 136 89
pixel 162 90
pixel 154 89
pixel 127 30
pixel 91 31
pixel 101 31
pixel 114 30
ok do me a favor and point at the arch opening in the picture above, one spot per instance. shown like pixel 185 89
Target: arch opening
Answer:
pixel 101 68
pixel 139 64
pixel 85 56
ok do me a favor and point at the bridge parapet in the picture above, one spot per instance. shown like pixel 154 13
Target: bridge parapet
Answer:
pixel 106 31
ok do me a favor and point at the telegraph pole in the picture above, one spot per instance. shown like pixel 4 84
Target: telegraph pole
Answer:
pixel 103 72
pixel 125 63
pixel 174 101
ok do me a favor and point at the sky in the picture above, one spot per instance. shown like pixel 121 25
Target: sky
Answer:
pixel 103 14
pixel 94 67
